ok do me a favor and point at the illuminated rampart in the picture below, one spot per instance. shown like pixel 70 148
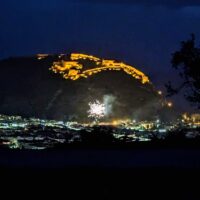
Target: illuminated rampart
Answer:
pixel 74 70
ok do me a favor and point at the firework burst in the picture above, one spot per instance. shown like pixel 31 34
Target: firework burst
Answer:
pixel 97 110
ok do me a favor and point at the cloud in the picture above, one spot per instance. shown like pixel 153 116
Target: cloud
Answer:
pixel 59 4
pixel 193 11
pixel 170 3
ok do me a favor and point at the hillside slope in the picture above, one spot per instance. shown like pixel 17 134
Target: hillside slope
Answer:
pixel 29 88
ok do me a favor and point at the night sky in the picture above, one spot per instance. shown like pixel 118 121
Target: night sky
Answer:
pixel 142 33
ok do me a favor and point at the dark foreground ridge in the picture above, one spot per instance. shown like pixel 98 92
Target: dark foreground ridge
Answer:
pixel 103 173
pixel 139 155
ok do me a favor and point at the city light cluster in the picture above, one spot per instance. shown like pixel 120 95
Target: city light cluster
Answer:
pixel 38 134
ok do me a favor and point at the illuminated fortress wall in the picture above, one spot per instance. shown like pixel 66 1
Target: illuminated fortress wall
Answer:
pixel 74 70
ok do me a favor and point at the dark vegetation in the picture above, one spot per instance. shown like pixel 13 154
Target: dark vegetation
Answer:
pixel 187 61
pixel 103 138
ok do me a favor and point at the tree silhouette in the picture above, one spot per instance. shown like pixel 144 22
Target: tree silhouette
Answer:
pixel 187 61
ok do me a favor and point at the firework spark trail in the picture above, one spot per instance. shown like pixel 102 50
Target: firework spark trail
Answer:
pixel 50 104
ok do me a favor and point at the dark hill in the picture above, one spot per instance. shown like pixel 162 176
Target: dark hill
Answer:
pixel 29 88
